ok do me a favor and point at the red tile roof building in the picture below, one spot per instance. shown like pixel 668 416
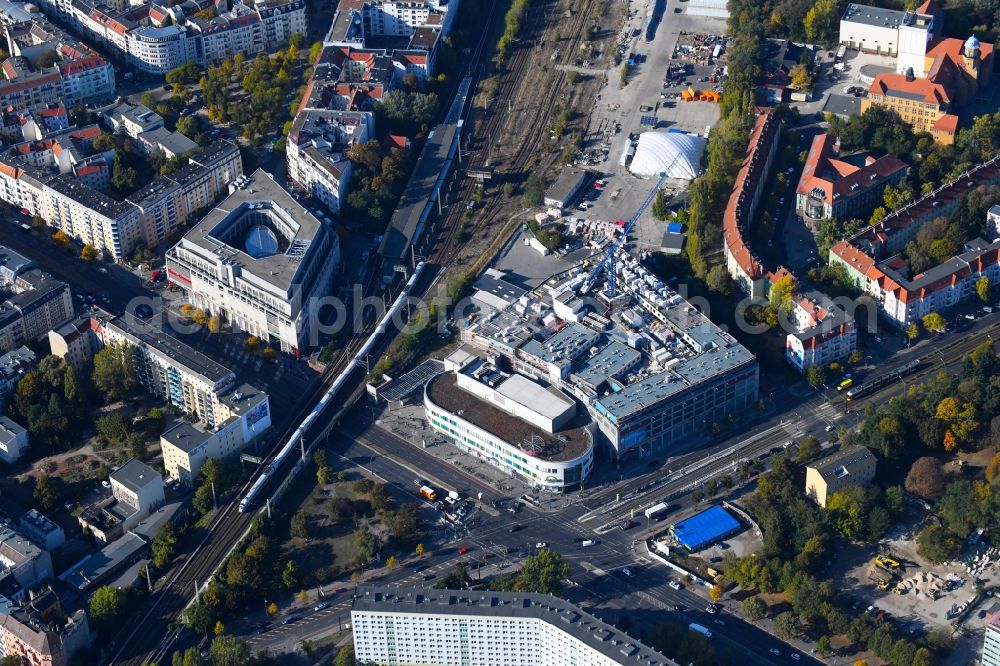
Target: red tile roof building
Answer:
pixel 821 334
pixel 831 187
pixel 927 94
pixel 871 261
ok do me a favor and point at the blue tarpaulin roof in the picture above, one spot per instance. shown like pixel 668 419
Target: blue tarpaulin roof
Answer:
pixel 675 228
pixel 702 529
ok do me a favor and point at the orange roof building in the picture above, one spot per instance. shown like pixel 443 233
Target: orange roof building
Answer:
pixel 843 188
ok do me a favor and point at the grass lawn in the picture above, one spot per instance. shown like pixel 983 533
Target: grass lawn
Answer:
pixel 330 550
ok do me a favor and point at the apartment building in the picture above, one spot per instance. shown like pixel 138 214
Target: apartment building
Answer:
pixel 139 486
pixel 402 625
pixel 169 369
pixel 260 261
pixel 76 342
pixel 743 264
pixel 824 332
pixel 186 446
pixel 23 561
pixel 40 632
pixel 78 75
pixel 843 188
pixel 146 126
pixel 13 366
pixel 41 530
pixel 13 440
pixel 991 642
pixel 905 298
pixel 29 314
pixel 317 148
pixel 156 37
pixel 71 203
pixel 851 465
pixel 414 27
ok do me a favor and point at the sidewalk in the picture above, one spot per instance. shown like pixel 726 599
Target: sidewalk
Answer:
pixel 408 424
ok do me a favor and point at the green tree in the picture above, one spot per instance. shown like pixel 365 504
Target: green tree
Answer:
pixel 809 449
pixel 754 608
pixel 203 501
pixel 164 546
pixel 300 525
pixel 189 657
pixel 46 492
pixel 821 20
pixel 114 371
pixel 113 427
pixel 934 322
pixel 534 191
pixel 912 332
pixel 937 544
pixel 719 280
pixel 815 374
pixel 786 625
pixel 823 646
pixel 229 651
pixel 983 287
pixel 188 126
pixel 107 609
pixel 542 573
pixel 345 656
pixel 290 576
pixel 197 618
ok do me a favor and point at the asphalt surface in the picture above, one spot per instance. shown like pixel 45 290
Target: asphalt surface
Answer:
pixel 596 571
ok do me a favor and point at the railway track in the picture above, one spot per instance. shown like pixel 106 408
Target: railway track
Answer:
pixel 538 124
pixel 149 641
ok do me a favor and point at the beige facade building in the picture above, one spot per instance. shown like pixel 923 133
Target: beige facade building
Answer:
pixel 848 466
pixel 186 446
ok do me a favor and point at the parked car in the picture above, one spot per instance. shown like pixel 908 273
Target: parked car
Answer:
pixel 463 550
pixel 320 606
pixel 627 571
pixel 675 585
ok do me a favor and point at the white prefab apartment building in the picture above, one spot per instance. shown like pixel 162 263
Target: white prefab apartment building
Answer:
pixel 991 642
pixel 427 627
pixel 258 260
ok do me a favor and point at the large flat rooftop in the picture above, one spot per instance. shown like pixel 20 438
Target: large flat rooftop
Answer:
pixel 262 202
pixel 603 638
pixel 167 345
pixel 419 197
pixel 564 445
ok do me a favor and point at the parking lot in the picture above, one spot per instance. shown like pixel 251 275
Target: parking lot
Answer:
pixel 618 114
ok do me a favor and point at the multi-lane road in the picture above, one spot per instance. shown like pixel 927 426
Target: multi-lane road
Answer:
pixel 597 571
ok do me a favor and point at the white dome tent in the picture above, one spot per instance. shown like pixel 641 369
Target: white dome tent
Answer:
pixel 675 153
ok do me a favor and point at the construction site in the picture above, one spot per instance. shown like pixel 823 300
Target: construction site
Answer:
pixel 920 595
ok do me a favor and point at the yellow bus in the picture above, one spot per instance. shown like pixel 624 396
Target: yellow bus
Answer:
pixel 846 384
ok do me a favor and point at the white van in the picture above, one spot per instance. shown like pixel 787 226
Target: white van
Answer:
pixel 588 542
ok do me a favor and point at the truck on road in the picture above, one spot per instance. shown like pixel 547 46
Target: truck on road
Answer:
pixel 701 629
pixel 428 493
pixel 658 510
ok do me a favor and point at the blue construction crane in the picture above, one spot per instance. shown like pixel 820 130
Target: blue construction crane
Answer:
pixel 609 258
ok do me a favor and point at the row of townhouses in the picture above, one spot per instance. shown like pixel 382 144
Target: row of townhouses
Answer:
pixel 78 207
pixel 45 66
pixel 155 37
pixel 823 331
